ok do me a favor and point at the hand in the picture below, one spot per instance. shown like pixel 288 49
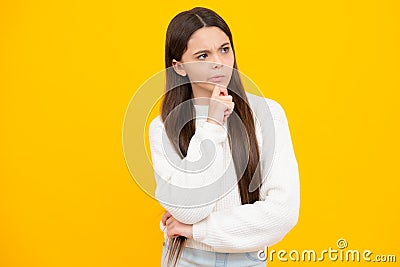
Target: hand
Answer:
pixel 221 105
pixel 176 228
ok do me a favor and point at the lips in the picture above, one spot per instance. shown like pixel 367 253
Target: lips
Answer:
pixel 217 78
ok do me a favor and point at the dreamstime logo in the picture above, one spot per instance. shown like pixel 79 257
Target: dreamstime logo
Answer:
pixel 167 179
pixel 329 254
pixel 341 243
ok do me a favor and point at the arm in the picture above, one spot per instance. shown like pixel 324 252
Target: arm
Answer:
pixel 180 183
pixel 250 227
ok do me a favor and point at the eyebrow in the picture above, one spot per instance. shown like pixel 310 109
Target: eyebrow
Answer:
pixel 203 51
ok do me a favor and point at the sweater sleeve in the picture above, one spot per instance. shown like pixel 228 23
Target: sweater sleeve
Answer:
pixel 183 184
pixel 251 227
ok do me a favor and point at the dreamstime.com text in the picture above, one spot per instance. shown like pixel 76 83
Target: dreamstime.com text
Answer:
pixel 331 254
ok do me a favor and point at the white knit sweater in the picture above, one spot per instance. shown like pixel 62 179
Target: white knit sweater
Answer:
pixel 202 189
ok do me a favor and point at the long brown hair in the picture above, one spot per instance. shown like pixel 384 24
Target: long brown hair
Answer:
pixel 241 127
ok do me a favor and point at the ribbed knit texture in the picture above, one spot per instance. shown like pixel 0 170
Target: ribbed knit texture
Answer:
pixel 220 222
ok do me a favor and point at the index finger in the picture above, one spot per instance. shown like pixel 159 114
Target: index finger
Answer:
pixel 223 90
pixel 219 90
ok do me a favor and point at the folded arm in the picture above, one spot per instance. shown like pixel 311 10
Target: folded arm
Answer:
pixel 181 182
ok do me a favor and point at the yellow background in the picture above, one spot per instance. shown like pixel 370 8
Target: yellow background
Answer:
pixel 68 70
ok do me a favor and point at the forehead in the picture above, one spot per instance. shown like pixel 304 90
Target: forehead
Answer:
pixel 207 38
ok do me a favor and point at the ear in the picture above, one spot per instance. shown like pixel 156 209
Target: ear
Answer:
pixel 178 67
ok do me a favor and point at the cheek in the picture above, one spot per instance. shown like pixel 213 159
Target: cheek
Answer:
pixel 197 72
pixel 230 61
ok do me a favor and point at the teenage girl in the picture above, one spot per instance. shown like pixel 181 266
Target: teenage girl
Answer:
pixel 223 158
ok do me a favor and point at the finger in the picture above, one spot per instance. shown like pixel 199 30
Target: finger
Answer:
pixel 224 91
pixel 171 235
pixel 225 98
pixel 165 217
pixel 172 232
pixel 216 92
pixel 229 106
pixel 170 221
pixel 227 113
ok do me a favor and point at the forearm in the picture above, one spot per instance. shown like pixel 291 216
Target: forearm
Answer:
pixel 184 186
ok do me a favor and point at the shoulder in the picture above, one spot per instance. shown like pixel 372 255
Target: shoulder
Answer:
pixel 156 126
pixel 261 105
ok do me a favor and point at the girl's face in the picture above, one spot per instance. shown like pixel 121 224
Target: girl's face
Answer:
pixel 208 54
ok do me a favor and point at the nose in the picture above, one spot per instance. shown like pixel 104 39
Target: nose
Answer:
pixel 216 62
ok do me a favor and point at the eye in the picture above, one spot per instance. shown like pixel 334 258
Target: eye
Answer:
pixel 226 49
pixel 200 57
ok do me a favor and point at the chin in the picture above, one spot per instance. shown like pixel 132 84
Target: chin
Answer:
pixel 206 86
pixel 209 86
